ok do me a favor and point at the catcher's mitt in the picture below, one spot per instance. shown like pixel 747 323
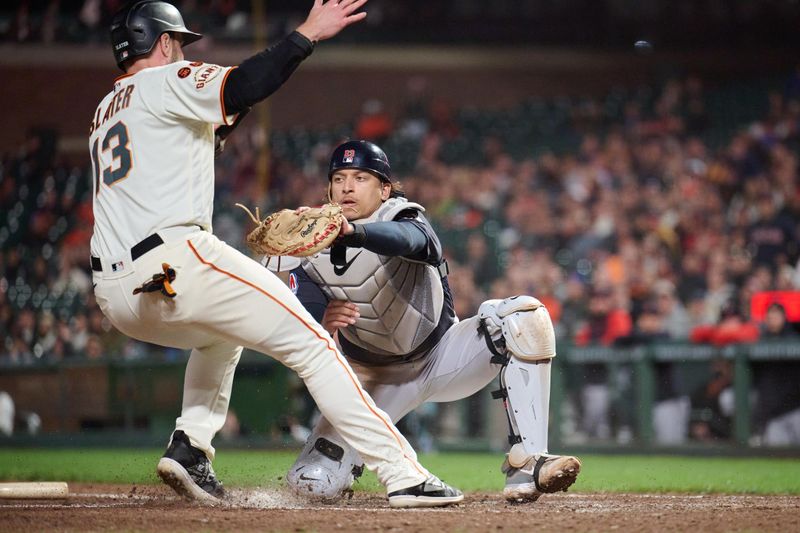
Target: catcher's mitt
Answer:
pixel 288 232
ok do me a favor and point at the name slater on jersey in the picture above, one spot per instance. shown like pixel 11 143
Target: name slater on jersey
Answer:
pixel 120 101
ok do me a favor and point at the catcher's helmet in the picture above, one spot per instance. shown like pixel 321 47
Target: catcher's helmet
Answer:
pixel 136 28
pixel 363 155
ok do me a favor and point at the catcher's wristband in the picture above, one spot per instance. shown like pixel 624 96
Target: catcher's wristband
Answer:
pixel 355 239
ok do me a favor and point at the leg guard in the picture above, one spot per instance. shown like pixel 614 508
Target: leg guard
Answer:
pixel 520 334
pixel 324 470
pixel 527 401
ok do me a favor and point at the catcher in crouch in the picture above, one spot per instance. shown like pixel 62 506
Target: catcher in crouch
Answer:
pixel 382 286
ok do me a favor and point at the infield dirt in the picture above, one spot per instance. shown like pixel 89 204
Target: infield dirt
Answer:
pixel 154 508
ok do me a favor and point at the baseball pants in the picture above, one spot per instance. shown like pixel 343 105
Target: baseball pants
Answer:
pixel 226 301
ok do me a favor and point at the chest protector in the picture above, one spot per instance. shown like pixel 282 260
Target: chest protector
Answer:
pixel 400 300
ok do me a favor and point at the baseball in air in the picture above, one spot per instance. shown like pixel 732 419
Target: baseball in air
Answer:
pixel 643 46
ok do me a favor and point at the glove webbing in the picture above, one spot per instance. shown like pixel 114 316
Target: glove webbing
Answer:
pixel 160 282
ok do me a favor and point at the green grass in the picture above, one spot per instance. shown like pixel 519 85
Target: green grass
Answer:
pixel 468 471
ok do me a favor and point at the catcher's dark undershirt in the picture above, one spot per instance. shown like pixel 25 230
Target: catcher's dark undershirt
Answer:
pixel 402 238
pixel 260 75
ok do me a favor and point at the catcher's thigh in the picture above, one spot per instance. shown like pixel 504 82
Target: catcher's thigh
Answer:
pixel 459 365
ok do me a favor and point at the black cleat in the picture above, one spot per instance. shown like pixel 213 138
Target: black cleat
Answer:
pixel 188 471
pixel 430 493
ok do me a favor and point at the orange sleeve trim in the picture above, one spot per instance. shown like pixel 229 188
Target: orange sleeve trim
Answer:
pixel 332 349
pixel 222 97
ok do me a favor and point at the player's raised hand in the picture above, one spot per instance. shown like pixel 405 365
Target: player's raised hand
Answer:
pixel 326 19
pixel 339 314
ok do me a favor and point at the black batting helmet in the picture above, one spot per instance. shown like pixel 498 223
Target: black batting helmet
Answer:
pixel 362 155
pixel 136 28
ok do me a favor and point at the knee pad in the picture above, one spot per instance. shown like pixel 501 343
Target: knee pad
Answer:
pixel 324 470
pixel 525 325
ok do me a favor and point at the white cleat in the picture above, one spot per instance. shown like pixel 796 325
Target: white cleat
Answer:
pixel 539 475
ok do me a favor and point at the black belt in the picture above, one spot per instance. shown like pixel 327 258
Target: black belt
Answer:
pixel 138 250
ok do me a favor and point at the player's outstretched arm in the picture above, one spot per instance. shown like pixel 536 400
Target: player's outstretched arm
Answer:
pixel 259 76
pixel 390 238
pixel 327 19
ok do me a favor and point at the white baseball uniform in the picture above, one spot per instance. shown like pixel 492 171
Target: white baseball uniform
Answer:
pixel 152 145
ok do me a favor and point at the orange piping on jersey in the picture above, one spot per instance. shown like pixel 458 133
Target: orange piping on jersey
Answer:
pixel 222 97
pixel 312 330
pixel 122 77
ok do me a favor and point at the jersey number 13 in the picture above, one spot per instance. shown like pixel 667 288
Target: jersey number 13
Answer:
pixel 120 154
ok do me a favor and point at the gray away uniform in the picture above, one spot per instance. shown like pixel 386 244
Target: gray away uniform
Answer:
pixel 408 347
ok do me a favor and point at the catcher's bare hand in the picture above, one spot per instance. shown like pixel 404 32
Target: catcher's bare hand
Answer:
pixel 347 229
pixel 339 314
pixel 327 19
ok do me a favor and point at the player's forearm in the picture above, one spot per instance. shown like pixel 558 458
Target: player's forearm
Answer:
pixel 388 238
pixel 260 75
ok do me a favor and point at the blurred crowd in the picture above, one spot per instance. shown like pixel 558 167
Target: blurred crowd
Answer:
pixel 567 22
pixel 647 228
pixel 47 308
pixel 50 21
pixel 642 232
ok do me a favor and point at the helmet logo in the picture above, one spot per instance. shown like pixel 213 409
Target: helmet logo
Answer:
pixel 123 44
pixel 349 155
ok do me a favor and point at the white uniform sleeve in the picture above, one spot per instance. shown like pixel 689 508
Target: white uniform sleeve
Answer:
pixel 194 91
